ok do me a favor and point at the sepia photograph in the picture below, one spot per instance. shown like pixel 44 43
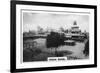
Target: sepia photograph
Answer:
pixel 55 36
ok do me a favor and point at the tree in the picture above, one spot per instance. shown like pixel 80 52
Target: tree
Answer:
pixel 54 40
pixel 40 29
pixel 86 50
pixel 62 29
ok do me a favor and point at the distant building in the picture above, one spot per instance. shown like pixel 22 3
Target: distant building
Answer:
pixel 75 33
pixel 74 29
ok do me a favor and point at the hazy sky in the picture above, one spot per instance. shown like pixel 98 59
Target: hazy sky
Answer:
pixel 49 20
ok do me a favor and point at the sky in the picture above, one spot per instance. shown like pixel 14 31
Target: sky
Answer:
pixel 50 20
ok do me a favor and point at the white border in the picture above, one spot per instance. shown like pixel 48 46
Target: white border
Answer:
pixel 20 65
